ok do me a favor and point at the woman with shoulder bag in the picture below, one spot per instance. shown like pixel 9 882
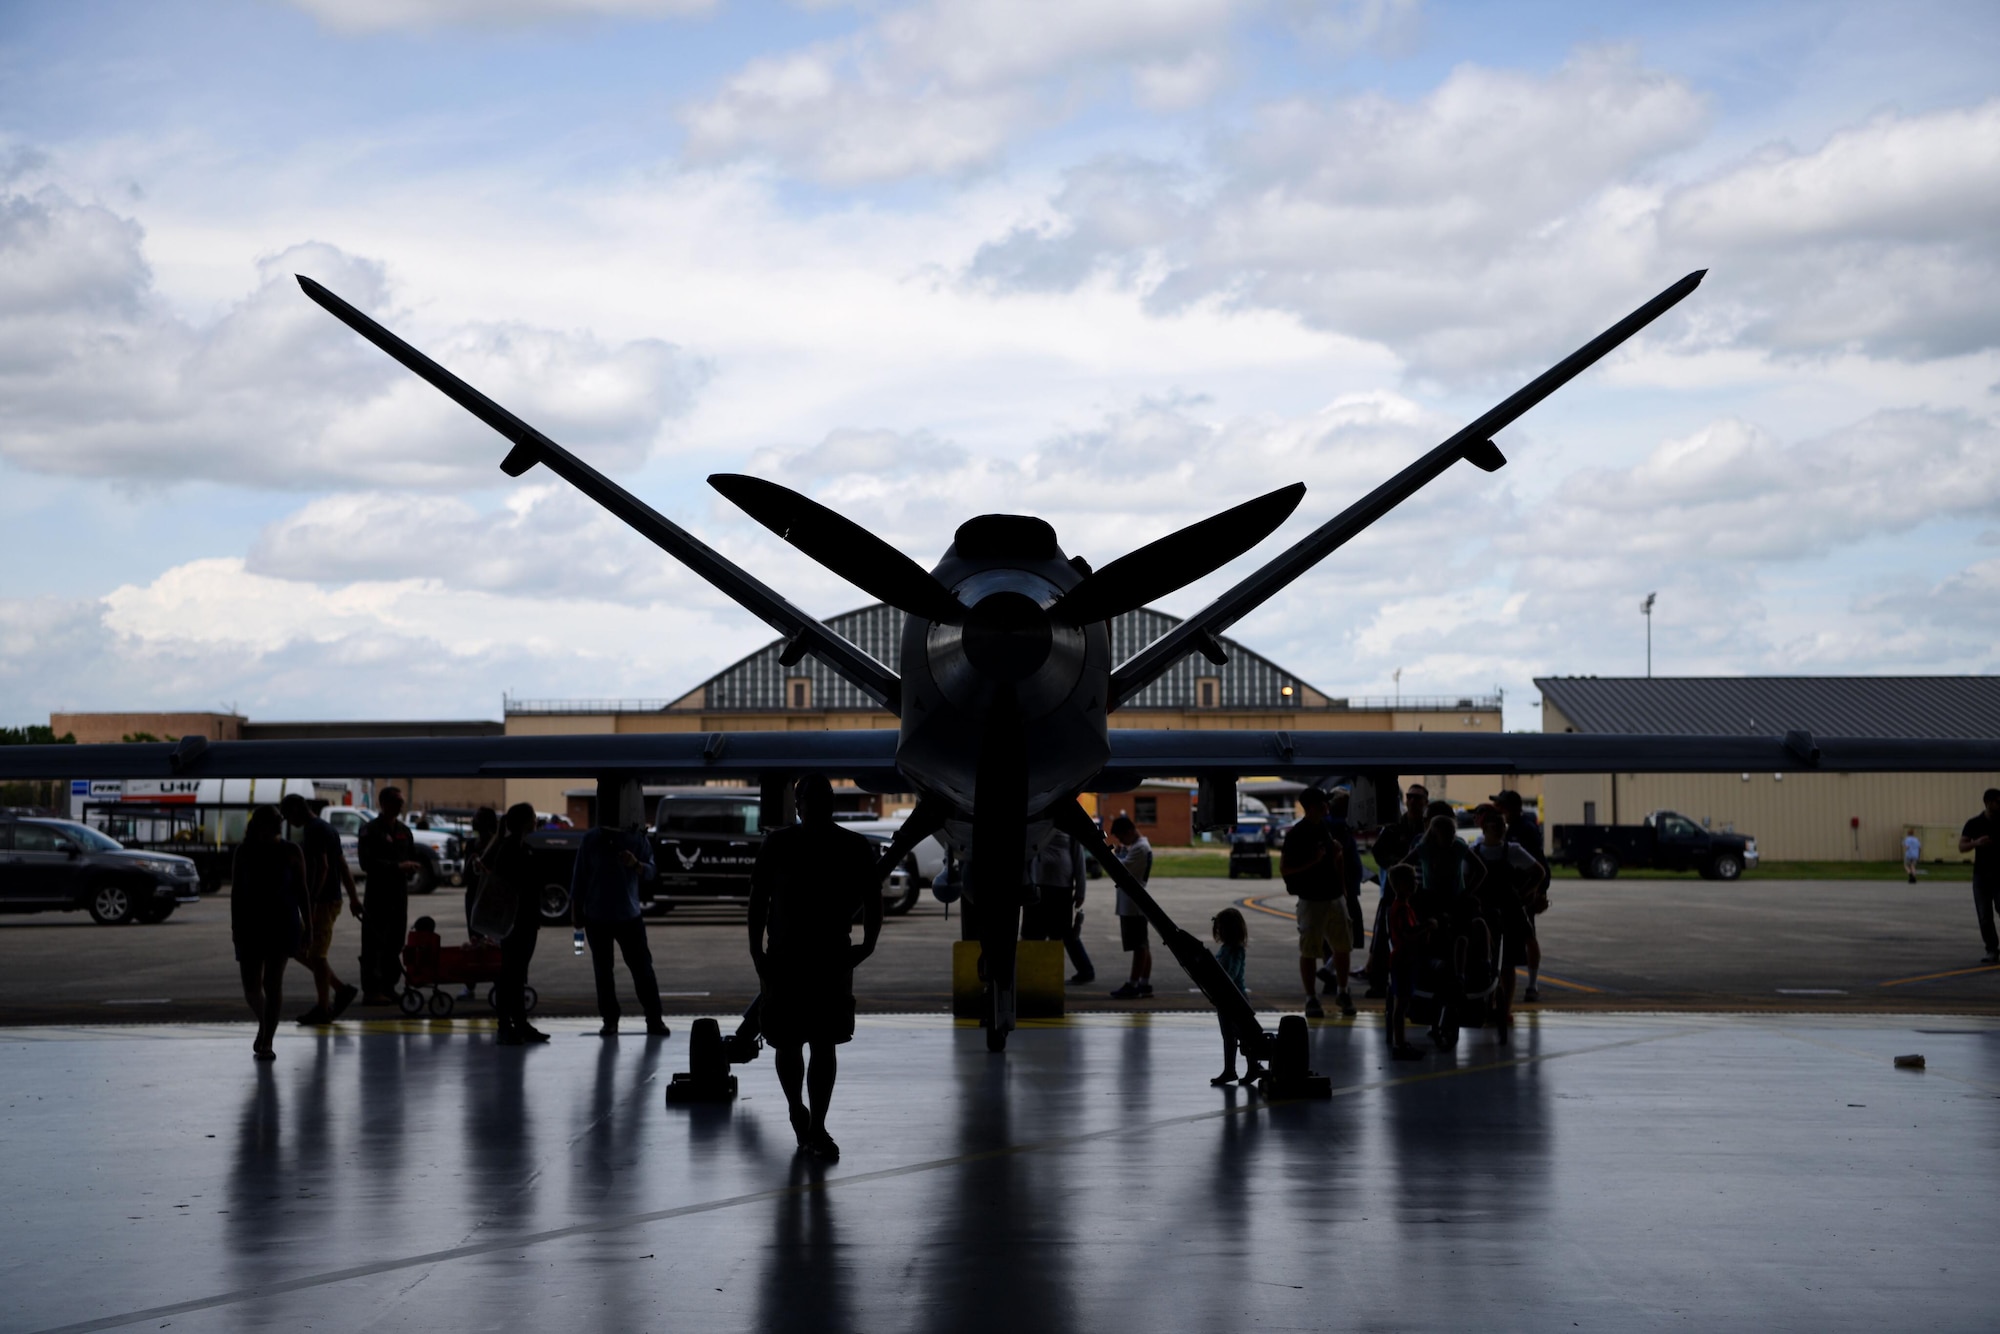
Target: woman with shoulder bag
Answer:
pixel 267 905
pixel 508 910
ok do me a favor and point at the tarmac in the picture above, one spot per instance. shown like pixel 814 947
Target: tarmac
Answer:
pixel 1756 944
pixel 1607 1171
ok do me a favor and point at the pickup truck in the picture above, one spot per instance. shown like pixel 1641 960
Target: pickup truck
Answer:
pixel 704 845
pixel 1667 841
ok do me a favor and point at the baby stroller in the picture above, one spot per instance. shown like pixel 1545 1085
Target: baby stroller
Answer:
pixel 429 962
pixel 1456 983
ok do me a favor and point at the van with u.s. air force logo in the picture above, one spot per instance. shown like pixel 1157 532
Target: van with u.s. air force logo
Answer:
pixel 704 845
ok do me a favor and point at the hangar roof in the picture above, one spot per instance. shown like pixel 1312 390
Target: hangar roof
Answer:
pixel 758 681
pixel 1941 707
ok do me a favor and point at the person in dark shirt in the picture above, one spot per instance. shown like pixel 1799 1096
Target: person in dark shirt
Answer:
pixel 388 855
pixel 1523 829
pixel 267 910
pixel 326 877
pixel 810 881
pixel 1312 870
pixel 509 910
pixel 611 864
pixel 1977 839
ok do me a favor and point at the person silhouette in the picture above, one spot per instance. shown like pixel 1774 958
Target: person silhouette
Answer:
pixel 810 881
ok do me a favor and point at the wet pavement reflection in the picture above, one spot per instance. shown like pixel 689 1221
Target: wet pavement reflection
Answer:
pixel 1604 1169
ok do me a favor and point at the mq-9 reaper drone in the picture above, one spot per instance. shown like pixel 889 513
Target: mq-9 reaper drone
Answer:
pixel 1006 679
pixel 1004 686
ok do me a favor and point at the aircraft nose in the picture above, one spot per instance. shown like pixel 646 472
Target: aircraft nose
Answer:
pixel 1007 636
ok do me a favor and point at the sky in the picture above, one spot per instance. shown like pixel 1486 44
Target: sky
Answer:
pixel 1118 264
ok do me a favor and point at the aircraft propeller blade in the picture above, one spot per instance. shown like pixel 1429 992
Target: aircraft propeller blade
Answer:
pixel 1474 444
pixel 1176 560
pixel 532 447
pixel 843 546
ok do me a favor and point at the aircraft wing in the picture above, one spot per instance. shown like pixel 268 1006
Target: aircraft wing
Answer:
pixel 1146 752
pixel 867 756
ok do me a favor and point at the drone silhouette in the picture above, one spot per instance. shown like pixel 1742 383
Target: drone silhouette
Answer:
pixel 1005 683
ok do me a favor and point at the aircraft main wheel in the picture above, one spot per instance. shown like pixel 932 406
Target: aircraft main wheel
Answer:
pixel 996 1039
pixel 442 1003
pixel 411 1002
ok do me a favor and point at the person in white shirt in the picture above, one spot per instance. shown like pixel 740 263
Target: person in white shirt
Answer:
pixel 1913 848
pixel 1137 854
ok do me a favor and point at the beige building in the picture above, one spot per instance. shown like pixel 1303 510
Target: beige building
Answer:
pixel 426 794
pixel 1793 816
pixel 761 694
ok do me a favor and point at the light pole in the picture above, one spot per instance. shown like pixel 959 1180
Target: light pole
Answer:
pixel 1397 677
pixel 1646 610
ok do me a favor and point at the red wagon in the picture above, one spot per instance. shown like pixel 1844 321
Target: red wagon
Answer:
pixel 430 963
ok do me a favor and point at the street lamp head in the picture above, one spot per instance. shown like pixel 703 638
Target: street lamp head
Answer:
pixel 1646 607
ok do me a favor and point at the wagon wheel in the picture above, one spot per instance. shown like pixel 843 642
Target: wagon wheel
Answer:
pixel 442 1003
pixel 411 1002
pixel 528 998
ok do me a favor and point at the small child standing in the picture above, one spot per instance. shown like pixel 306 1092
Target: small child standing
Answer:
pixel 1231 934
pixel 1406 932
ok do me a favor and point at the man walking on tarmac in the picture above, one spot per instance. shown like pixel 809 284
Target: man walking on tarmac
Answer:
pixel 810 882
pixel 326 876
pixel 388 854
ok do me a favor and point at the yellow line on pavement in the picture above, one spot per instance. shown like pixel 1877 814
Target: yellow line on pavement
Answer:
pixel 1932 977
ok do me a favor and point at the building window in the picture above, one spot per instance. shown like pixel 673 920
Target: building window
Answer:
pixel 799 692
pixel 1145 810
pixel 1208 692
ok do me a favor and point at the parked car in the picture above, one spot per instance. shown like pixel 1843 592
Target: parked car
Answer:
pixel 440 855
pixel 907 882
pixel 1667 841
pixel 705 842
pixel 50 865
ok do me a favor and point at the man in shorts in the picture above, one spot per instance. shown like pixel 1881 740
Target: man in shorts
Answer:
pixel 811 880
pixel 1913 851
pixel 327 875
pixel 1137 854
pixel 1313 872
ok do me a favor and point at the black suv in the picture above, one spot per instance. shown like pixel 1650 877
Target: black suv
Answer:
pixel 49 865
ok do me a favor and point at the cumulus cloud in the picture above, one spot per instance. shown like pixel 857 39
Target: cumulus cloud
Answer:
pixel 382 15
pixel 544 542
pixel 1497 220
pixel 103 379
pixel 1880 239
pixel 1733 491
pixel 210 631
pixel 1457 227
pixel 944 86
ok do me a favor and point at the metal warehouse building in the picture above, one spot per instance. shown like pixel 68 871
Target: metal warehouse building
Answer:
pixel 1794 817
